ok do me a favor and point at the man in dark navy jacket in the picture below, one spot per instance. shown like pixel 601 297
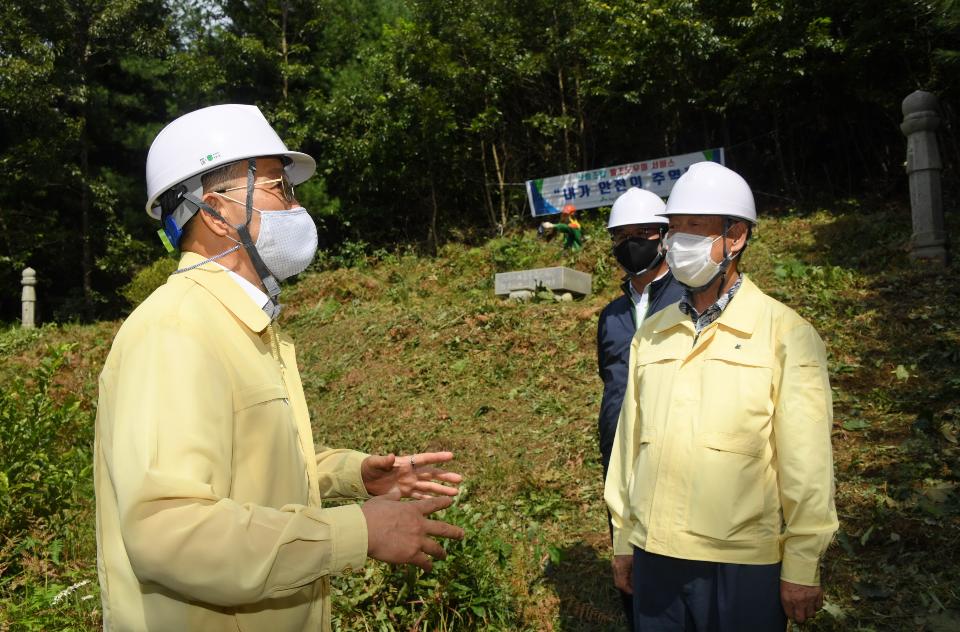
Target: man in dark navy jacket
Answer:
pixel 648 287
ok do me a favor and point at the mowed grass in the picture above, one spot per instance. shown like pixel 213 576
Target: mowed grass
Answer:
pixel 401 353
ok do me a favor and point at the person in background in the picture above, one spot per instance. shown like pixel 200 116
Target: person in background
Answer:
pixel 721 486
pixel 208 487
pixel 568 226
pixel 636 231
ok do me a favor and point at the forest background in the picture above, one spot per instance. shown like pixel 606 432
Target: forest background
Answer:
pixel 425 115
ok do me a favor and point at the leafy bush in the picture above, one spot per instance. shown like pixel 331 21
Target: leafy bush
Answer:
pixel 463 592
pixel 148 279
pixel 813 289
pixel 44 450
pixel 514 253
pixel 65 603
pixel 349 254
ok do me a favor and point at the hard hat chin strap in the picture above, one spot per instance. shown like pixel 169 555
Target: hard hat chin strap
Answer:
pixel 653 264
pixel 270 282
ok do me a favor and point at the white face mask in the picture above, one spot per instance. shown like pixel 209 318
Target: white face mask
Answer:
pixel 287 241
pixel 689 258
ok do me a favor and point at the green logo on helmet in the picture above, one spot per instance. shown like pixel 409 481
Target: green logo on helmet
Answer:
pixel 209 158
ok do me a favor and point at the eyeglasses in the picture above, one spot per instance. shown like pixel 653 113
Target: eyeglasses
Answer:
pixel 286 187
pixel 643 232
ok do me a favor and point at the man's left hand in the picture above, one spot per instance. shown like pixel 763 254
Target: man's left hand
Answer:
pixel 411 476
pixel 800 602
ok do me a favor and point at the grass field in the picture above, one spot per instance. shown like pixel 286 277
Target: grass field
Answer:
pixel 401 353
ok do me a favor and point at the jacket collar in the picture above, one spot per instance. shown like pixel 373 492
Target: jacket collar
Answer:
pixel 655 286
pixel 740 314
pixel 217 281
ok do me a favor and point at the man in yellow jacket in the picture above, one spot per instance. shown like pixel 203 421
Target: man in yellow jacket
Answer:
pixel 721 483
pixel 208 485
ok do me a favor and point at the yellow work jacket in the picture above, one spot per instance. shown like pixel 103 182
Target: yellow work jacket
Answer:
pixel 722 451
pixel 207 483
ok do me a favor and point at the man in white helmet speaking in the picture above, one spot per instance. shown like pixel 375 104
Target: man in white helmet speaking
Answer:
pixel 721 480
pixel 207 482
pixel 636 231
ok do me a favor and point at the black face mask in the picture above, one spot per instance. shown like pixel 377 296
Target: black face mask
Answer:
pixel 637 255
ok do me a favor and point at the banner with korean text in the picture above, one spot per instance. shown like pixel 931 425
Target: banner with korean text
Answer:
pixel 600 187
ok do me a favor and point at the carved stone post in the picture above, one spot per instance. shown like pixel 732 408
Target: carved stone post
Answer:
pixel 29 298
pixel 921 118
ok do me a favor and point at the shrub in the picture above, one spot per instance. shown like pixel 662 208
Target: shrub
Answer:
pixel 464 592
pixel 517 252
pixel 148 279
pixel 44 451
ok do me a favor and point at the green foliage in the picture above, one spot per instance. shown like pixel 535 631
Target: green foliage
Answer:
pixel 148 279
pixel 15 339
pixel 517 252
pixel 424 115
pixel 44 450
pixel 349 254
pixel 463 592
pixel 816 288
pixel 78 84
pixel 42 606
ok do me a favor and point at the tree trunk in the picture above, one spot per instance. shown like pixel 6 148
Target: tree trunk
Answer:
pixel 432 236
pixel 284 10
pixel 501 180
pixel 87 251
pixel 781 164
pixel 727 142
pixel 486 185
pixel 563 114
pixel 582 121
pixel 82 59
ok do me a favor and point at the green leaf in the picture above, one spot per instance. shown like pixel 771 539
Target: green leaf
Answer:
pixel 845 544
pixel 855 424
pixel 834 610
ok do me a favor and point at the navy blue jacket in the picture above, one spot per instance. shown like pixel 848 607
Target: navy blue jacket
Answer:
pixel 614 333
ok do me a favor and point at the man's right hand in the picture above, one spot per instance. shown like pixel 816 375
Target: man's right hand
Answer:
pixel 623 573
pixel 400 533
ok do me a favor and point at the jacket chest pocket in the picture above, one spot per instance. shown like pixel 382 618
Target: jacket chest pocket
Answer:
pixel 737 389
pixel 727 486
pixel 268 464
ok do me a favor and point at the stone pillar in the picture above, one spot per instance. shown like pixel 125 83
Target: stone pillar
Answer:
pixel 921 118
pixel 29 298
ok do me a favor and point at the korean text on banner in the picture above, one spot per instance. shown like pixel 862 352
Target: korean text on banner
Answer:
pixel 600 187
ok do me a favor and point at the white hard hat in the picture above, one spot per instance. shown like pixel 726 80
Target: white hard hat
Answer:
pixel 709 188
pixel 210 138
pixel 636 206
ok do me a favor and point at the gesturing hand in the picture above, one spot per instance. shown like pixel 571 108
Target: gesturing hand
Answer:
pixel 399 532
pixel 411 476
pixel 800 602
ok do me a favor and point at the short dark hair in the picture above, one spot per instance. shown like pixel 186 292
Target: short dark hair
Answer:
pixel 215 179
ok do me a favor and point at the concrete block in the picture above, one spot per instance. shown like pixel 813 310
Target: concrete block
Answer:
pixel 558 279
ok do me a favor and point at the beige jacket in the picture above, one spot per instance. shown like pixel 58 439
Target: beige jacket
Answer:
pixel 722 451
pixel 208 486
